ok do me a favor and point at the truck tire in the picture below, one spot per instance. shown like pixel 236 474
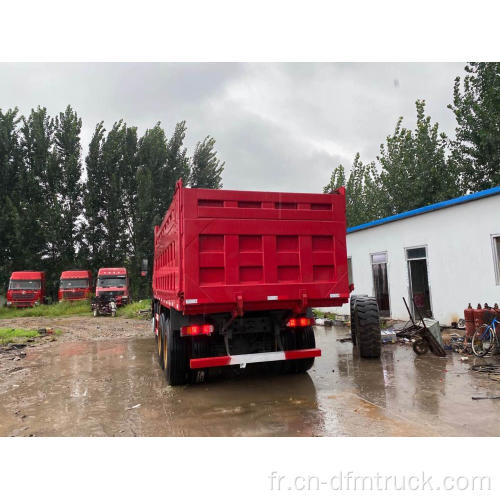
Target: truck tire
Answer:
pixel 175 360
pixel 200 348
pixel 367 327
pixel 159 344
pixel 352 303
pixel 289 341
pixel 305 340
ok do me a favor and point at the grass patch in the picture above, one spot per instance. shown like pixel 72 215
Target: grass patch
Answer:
pixel 132 310
pixel 324 314
pixel 51 311
pixel 15 335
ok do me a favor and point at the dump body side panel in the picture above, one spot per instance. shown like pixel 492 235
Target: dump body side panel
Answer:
pixel 167 268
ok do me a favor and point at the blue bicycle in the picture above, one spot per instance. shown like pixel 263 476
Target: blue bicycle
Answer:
pixel 485 338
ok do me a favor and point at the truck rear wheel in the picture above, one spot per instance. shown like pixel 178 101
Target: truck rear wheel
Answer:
pixel 305 340
pixel 199 349
pixel 352 303
pixel 367 327
pixel 298 338
pixel 159 341
pixel 174 354
pixel 288 341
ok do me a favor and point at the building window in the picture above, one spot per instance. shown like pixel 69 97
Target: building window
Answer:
pixel 381 282
pixel 418 279
pixel 496 256
pixel 349 270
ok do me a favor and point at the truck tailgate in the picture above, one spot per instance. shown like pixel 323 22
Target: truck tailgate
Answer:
pixel 262 250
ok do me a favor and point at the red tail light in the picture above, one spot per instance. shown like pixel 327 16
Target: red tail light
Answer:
pixel 301 322
pixel 197 330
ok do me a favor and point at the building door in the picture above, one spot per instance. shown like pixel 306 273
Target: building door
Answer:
pixel 381 283
pixel 419 281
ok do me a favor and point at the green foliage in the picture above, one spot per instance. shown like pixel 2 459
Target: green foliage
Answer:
pixel 13 335
pixel 412 170
pixel 337 179
pixel 177 166
pixel 362 191
pixel 132 310
pixel 10 192
pixel 476 105
pixel 64 308
pixel 67 147
pixel 207 168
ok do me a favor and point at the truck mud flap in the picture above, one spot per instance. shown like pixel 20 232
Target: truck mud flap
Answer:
pixel 243 359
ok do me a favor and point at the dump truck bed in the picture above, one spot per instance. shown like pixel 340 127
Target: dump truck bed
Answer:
pixel 221 250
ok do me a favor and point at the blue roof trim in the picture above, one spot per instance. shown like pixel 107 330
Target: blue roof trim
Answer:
pixel 428 208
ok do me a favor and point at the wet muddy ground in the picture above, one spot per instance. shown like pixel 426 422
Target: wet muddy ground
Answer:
pixel 101 378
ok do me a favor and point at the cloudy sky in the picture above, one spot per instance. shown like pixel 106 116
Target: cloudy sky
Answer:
pixel 278 126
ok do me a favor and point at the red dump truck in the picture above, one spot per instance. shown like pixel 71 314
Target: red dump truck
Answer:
pixel 113 282
pixel 26 289
pixel 236 274
pixel 75 285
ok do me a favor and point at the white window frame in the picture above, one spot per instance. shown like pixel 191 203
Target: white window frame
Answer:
pixel 496 258
pixel 349 258
pixel 407 260
pixel 388 280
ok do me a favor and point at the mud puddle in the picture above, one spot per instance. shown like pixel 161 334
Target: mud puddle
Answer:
pixel 114 387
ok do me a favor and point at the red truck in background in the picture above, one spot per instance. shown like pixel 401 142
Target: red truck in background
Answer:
pixel 113 282
pixel 236 274
pixel 26 289
pixel 75 285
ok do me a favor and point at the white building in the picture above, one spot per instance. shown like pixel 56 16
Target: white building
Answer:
pixel 444 256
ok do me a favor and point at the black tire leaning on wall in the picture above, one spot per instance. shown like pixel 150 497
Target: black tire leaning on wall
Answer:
pixel 352 303
pixel 367 327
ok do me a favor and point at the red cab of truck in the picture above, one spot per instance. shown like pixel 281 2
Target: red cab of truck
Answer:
pixel 75 285
pixel 26 289
pixel 236 274
pixel 113 282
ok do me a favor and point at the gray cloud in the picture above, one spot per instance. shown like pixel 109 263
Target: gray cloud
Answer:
pixel 277 126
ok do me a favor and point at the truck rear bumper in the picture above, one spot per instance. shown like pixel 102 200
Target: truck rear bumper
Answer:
pixel 243 359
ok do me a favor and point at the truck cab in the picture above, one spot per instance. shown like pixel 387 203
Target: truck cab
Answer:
pixel 26 289
pixel 75 285
pixel 113 282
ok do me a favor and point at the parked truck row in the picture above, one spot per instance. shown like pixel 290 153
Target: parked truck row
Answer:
pixel 236 274
pixel 27 288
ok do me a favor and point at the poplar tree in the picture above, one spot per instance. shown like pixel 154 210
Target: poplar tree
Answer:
pixel 415 170
pixel 10 193
pixel 476 105
pixel 68 159
pixel 206 169
pixel 177 164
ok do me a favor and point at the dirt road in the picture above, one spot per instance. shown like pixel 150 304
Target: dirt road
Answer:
pixel 101 378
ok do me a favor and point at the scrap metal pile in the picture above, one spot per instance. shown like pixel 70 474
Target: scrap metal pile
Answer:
pixel 424 334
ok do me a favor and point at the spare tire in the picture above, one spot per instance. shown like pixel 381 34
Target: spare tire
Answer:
pixel 352 303
pixel 367 327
